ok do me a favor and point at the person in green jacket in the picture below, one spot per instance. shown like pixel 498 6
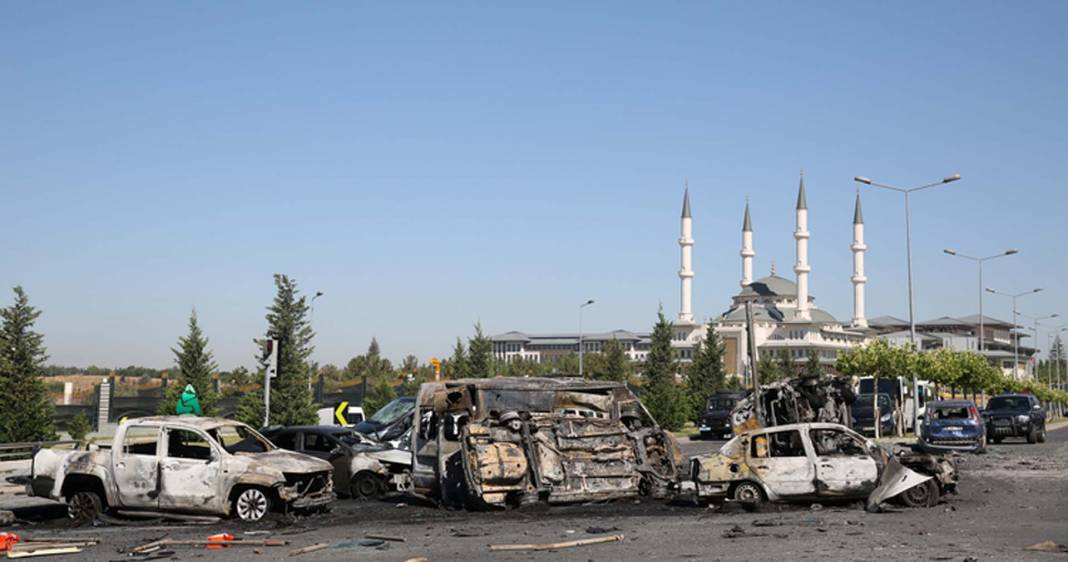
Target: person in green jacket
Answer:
pixel 188 404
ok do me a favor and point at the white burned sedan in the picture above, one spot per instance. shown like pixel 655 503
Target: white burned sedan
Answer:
pixel 813 461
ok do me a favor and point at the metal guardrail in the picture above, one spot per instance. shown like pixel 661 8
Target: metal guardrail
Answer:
pixel 24 451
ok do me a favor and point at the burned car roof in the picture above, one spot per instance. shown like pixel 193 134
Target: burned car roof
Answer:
pixel 189 421
pixel 535 383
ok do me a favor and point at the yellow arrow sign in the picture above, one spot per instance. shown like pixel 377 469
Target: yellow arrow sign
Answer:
pixel 340 412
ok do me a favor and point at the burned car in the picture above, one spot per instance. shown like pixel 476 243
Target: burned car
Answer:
pixel 182 464
pixel 799 400
pixel 818 461
pixel 363 468
pixel 511 441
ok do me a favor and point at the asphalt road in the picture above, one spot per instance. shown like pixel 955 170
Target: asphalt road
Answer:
pixel 1010 498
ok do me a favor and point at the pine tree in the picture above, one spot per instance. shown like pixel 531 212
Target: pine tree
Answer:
pixel 479 354
pixel 615 361
pixel 79 426
pixel 768 369
pixel 456 366
pixel 291 400
pixel 706 374
pixel 195 366
pixel 28 407
pixel 250 408
pixel 664 399
pixel 787 368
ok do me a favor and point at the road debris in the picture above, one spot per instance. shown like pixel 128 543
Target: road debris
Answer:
pixel 386 538
pixel 557 545
pixel 307 549
pixel 1047 546
pixel 156 545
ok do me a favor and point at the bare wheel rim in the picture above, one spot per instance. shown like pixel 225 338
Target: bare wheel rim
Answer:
pixel 365 486
pixel 747 493
pixel 919 495
pixel 252 505
pixel 82 506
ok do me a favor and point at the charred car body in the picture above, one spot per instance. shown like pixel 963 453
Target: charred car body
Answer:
pixel 824 399
pixel 363 468
pixel 509 441
pixel 818 461
pixel 182 464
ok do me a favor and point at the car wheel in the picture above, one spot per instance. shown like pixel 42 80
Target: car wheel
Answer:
pixel 1042 436
pixel 748 493
pixel 1032 437
pixel 365 485
pixel 84 506
pixel 996 440
pixel 921 495
pixel 252 504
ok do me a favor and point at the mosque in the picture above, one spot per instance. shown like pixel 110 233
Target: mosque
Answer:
pixel 785 316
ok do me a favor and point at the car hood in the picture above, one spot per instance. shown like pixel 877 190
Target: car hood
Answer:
pixel 716 414
pixel 287 461
pixel 1007 412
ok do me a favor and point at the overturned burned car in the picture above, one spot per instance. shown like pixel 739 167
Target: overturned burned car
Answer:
pixel 510 441
pixel 824 399
pixel 182 464
pixel 819 461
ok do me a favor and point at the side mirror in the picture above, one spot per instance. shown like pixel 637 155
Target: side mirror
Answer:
pixel 337 452
pixel 1037 407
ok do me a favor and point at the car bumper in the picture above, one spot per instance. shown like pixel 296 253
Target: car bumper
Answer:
pixel 313 500
pixel 715 427
pixel 948 445
pixel 1014 429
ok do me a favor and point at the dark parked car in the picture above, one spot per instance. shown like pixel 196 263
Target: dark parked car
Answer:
pixel 391 422
pixel 715 421
pixel 362 467
pixel 953 425
pixel 1015 415
pixel 864 415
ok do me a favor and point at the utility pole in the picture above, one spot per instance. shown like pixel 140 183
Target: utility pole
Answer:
pixel 270 372
pixel 1015 327
pixel 580 346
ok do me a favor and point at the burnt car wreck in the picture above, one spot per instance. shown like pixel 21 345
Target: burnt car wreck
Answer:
pixel 508 441
pixel 825 399
pixel 819 461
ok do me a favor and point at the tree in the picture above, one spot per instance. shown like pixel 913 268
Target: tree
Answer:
pixel 237 377
pixel 594 365
pixel 250 408
pixel 28 406
pixel 767 368
pixel 79 427
pixel 291 400
pixel 706 373
pixel 479 354
pixel 787 367
pixel 616 363
pixel 812 365
pixel 410 364
pixel 456 366
pixel 660 394
pixel 195 366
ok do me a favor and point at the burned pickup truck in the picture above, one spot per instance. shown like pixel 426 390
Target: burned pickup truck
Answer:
pixel 182 464
pixel 512 441
pixel 819 461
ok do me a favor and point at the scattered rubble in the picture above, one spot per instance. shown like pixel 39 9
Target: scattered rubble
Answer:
pixel 557 545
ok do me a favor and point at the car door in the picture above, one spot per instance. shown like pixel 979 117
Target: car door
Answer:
pixel 844 467
pixel 135 467
pixel 782 462
pixel 190 472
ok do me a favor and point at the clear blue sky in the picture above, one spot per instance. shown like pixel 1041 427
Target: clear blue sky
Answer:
pixel 430 164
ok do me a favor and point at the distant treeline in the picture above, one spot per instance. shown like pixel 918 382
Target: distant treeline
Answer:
pixel 131 371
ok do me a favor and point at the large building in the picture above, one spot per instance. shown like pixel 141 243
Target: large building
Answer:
pixel 786 318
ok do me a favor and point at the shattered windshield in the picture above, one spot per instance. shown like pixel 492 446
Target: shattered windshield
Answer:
pixel 1009 403
pixel 950 413
pixel 393 411
pixel 240 439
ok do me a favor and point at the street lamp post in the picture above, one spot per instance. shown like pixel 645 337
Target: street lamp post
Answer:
pixel 908 253
pixel 1037 320
pixel 979 261
pixel 581 307
pixel 1016 333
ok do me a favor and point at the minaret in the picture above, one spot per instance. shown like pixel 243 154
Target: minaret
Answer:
pixel 801 268
pixel 686 271
pixel 747 252
pixel 858 247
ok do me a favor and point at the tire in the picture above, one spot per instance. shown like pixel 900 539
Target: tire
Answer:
pixel 252 504
pixel 921 495
pixel 748 493
pixel 1042 436
pixel 996 440
pixel 84 506
pixel 1032 437
pixel 366 485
